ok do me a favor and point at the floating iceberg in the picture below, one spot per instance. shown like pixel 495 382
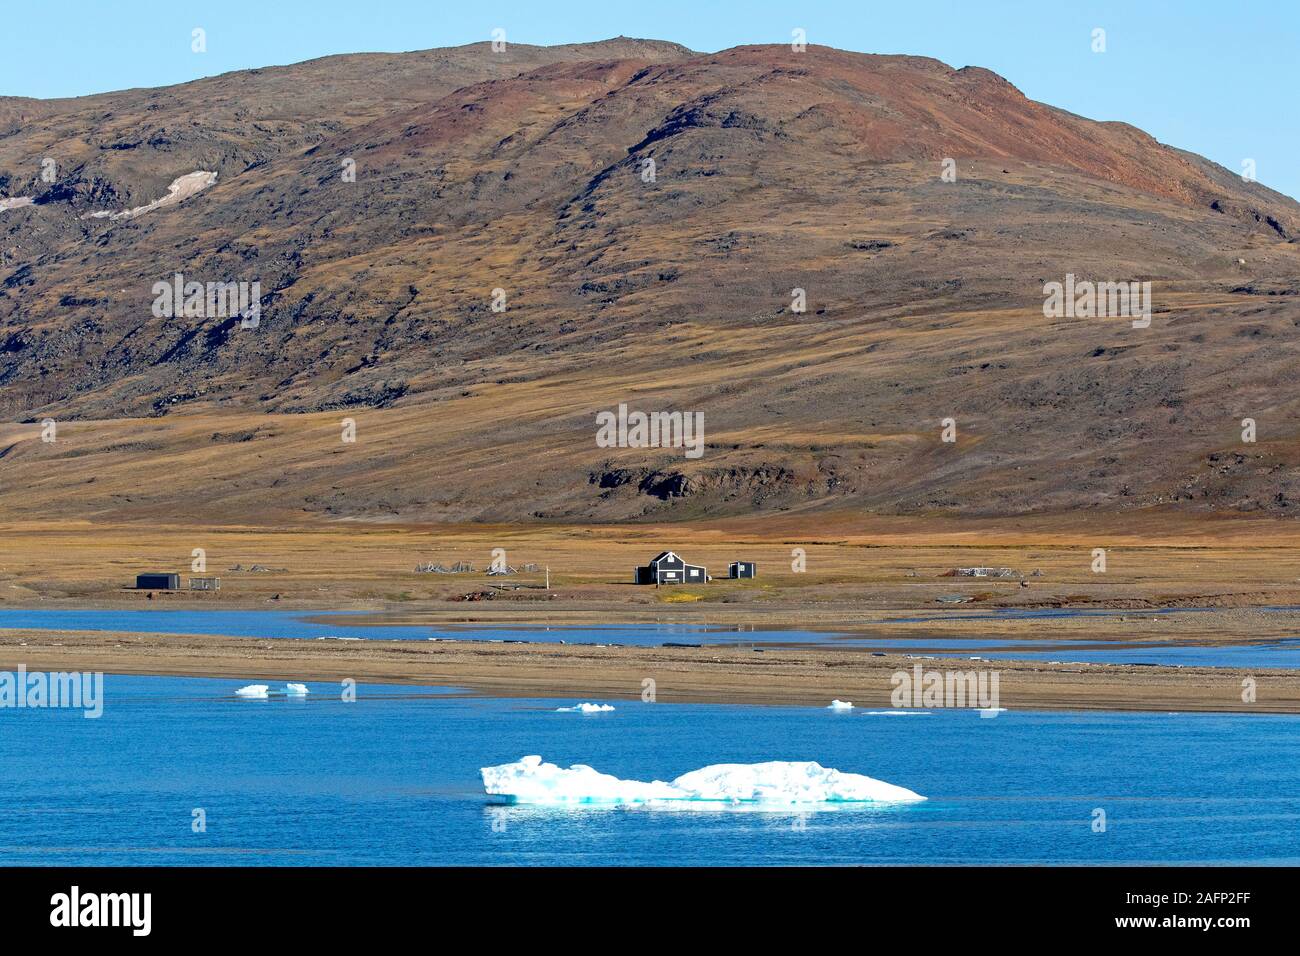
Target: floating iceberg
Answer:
pixel 841 705
pixel 296 690
pixel 776 783
pixel 585 709
pixel 253 690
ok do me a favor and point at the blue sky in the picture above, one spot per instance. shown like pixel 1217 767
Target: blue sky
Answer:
pixel 1213 77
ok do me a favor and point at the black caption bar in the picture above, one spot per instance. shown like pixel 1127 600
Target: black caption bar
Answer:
pixel 316 905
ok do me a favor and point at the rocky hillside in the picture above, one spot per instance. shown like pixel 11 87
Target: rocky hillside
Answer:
pixel 642 213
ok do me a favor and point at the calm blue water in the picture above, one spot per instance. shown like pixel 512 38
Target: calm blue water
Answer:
pixel 228 623
pixel 350 624
pixel 1281 654
pixel 393 779
pixel 1048 613
pixel 369 626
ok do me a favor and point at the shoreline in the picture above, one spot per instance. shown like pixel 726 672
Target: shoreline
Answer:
pixel 710 674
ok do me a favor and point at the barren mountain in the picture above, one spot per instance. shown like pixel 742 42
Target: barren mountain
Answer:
pixel 645 212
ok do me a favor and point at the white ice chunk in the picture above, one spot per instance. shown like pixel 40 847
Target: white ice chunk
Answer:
pixel 776 782
pixel 841 705
pixel 252 690
pixel 296 690
pixel 780 781
pixel 531 781
pixel 585 708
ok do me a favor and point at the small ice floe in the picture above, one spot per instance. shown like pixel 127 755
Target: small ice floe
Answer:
pixel 15 202
pixel 840 706
pixel 295 690
pixel 183 187
pixel 585 708
pixel 991 711
pixel 255 691
pixel 773 785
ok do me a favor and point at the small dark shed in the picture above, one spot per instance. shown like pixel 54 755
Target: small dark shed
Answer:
pixel 157 582
pixel 742 569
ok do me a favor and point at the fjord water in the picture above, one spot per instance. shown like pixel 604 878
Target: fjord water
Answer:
pixel 361 625
pixel 394 779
